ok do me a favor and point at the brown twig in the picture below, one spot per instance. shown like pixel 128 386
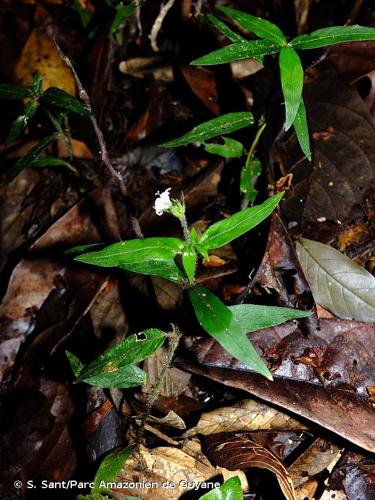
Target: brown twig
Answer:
pixel 104 156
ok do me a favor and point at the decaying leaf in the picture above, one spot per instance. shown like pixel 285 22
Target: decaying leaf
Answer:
pixel 240 452
pixel 338 284
pixel 245 416
pixel 162 465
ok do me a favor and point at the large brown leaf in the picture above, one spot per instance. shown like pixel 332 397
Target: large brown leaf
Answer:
pixel 324 378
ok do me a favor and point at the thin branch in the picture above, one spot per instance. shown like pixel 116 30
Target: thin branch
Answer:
pixel 158 24
pixel 99 134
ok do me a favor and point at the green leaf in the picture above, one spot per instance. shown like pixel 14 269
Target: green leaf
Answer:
pixel 230 149
pixel 291 73
pixel 30 156
pixel 226 230
pixel 110 468
pixel 84 15
pixel 82 248
pixel 224 124
pixel 189 262
pixel 333 35
pixel 49 161
pixel 218 321
pixel 21 121
pixel 237 51
pixel 251 318
pixel 148 256
pixel 58 97
pixel 261 27
pixel 225 30
pixel 9 91
pixel 122 13
pixel 37 84
pixel 75 363
pixel 230 490
pixel 115 367
pixel 249 174
pixel 302 130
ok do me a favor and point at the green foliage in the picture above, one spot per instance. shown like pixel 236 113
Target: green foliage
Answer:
pixel 230 490
pixel 230 149
pixel 148 256
pixel 61 99
pixel 110 468
pixel 123 12
pixel 189 262
pixel 217 319
pixel 226 230
pixel 224 124
pixel 16 92
pixel 272 41
pixel 251 170
pixel 115 368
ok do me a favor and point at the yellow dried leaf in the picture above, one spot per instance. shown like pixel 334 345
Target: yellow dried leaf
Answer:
pixel 39 55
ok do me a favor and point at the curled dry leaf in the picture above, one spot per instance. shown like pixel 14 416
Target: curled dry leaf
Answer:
pixel 320 455
pixel 163 464
pixel 240 452
pixel 323 378
pixel 245 416
pixel 338 284
pixel 170 420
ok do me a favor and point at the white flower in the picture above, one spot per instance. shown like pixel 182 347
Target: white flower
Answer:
pixel 163 203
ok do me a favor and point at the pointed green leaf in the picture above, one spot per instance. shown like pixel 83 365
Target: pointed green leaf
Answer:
pixel 75 363
pixel 110 467
pixel 261 27
pixel 230 149
pixel 249 174
pixel 302 130
pixel 189 262
pixel 217 319
pixel 226 230
pixel 122 13
pixel 230 490
pixel 37 84
pixel 9 91
pixel 237 51
pixel 148 256
pixel 251 318
pixel 61 99
pixel 225 30
pixel 291 73
pixel 115 367
pixel 21 121
pixel 224 124
pixel 30 156
pixel 333 35
pixel 49 161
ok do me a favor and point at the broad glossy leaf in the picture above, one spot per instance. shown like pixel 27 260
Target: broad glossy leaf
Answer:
pixel 21 121
pixel 227 230
pixel 189 262
pixel 230 149
pixel 225 30
pixel 148 256
pixel 333 35
pixel 224 124
pixel 302 130
pixel 337 283
pixel 75 363
pixel 115 367
pixel 237 51
pixel 261 27
pixel 9 91
pixel 61 99
pixel 251 318
pixel 29 158
pixel 230 490
pixel 291 73
pixel 217 319
pixel 110 468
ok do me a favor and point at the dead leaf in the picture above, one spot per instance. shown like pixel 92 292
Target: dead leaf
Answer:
pixel 202 83
pixel 245 416
pixel 338 284
pixel 345 356
pixel 240 452
pixel 170 420
pixel 163 464
pixel 319 456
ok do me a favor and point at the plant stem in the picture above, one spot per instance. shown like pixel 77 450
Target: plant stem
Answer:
pixel 174 339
